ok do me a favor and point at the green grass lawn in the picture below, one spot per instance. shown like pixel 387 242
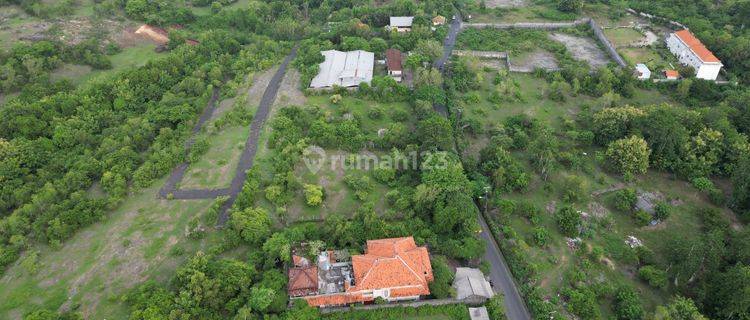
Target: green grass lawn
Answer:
pixel 239 4
pixel 129 57
pixel 217 166
pixel 133 243
pixel 529 13
pixel 621 37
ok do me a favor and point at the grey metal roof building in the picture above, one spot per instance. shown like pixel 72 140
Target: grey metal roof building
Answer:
pixel 345 69
pixel 401 22
pixel 470 283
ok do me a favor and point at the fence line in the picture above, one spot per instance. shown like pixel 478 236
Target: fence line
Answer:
pixel 606 43
pixel 413 304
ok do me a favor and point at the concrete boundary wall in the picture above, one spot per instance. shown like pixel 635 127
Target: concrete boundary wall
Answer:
pixel 606 43
pixel 414 304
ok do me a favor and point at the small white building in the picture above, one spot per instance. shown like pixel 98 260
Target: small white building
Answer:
pixel 345 69
pixel 401 24
pixel 691 52
pixel 642 71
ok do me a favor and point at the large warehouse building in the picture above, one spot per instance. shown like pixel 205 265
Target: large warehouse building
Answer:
pixel 345 69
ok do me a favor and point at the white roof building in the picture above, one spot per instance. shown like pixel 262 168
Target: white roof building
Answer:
pixel 345 69
pixel 642 71
pixel 470 283
pixel 401 22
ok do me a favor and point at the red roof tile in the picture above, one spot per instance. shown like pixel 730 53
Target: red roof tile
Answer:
pixel 671 73
pixel 394 262
pixel 393 59
pixel 696 46
pixel 303 281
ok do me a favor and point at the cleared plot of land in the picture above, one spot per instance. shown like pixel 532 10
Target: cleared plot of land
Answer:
pixel 541 59
pixel 93 269
pixel 520 13
pixel 582 49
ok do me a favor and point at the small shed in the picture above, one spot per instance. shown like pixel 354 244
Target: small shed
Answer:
pixel 401 24
pixel 671 74
pixel 471 284
pixel 642 72
pixel 479 313
pixel 393 62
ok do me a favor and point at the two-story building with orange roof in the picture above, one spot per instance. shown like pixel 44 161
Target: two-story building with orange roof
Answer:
pixel 392 269
pixel 691 52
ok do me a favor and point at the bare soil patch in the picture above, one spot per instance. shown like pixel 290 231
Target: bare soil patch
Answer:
pixel 582 49
pixel 538 59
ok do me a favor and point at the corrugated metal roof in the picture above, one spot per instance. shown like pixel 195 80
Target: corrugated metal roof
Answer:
pixel 401 22
pixel 470 282
pixel 344 69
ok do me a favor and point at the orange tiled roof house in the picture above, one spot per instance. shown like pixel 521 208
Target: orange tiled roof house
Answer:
pixel 392 269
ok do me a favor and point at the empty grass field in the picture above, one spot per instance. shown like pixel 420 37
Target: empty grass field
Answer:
pixel 143 239
pixel 621 37
pixel 135 56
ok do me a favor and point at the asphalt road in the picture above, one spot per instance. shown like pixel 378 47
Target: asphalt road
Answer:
pixel 502 279
pixel 251 145
pixel 515 307
pixel 448 44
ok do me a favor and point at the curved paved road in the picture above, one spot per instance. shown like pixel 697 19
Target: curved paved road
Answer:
pixel 515 307
pixel 251 145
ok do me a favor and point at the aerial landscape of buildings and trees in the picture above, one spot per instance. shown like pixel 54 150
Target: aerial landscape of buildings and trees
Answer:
pixel 374 159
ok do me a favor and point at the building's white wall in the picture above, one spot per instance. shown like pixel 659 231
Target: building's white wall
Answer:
pixel 708 71
pixel 682 52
